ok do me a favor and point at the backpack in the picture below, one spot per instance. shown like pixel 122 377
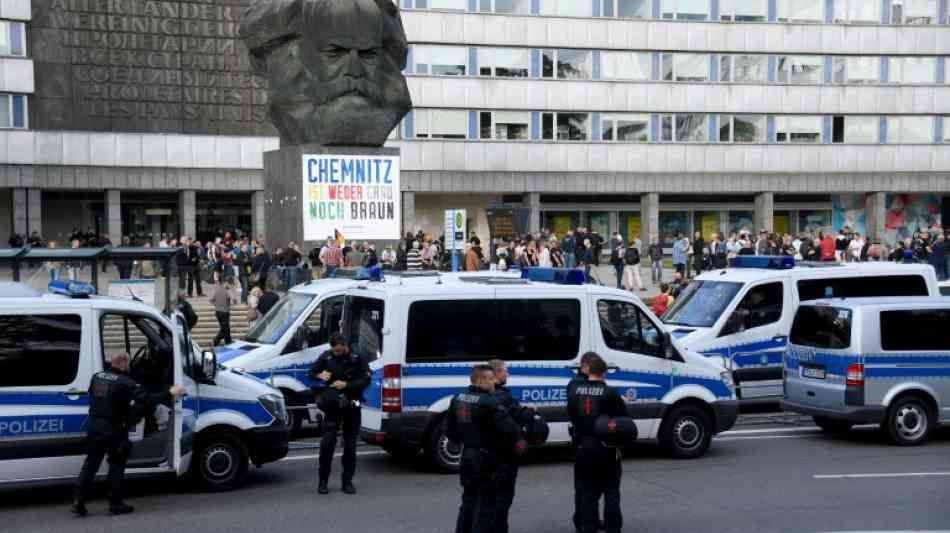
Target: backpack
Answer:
pixel 632 257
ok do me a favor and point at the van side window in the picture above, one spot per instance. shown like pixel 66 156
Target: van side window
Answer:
pixel 324 321
pixel 862 286
pixel 538 330
pixel 761 306
pixel 364 328
pixel 919 330
pixel 625 328
pixel 39 350
pixel 145 340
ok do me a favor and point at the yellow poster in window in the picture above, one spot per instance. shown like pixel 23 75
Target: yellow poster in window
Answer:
pixel 709 222
pixel 780 224
pixel 562 224
pixel 633 228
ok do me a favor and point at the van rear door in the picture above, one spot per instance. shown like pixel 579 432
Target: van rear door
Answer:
pixel 819 353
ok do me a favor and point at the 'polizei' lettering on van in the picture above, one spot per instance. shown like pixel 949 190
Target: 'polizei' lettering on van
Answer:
pixel 27 426
pixel 544 395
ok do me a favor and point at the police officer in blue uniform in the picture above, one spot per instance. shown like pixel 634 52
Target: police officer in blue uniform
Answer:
pixel 116 402
pixel 342 376
pixel 597 465
pixel 482 426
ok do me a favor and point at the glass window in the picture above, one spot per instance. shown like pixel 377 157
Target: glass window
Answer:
pixel 571 64
pixel 684 127
pixel 761 306
pixel 39 350
pixel 814 221
pixel 744 10
pixel 324 321
pixel 465 331
pixel 458 5
pixel 441 124
pixel 625 128
pixel 797 129
pixel 566 8
pixel 275 323
pixel 743 68
pixel 6 111
pixel 910 130
pixel 626 65
pixel 800 69
pixel 855 129
pixel 857 69
pixel 503 62
pixel 861 287
pixel 12 38
pixel 146 340
pixel 542 330
pixel 920 330
pixel 628 8
pixel 440 60
pixel 626 328
pixel 570 126
pixel 519 7
pixel 363 327
pixel 822 327
pixel 505 125
pixel 946 129
pixel 913 11
pixel 912 70
pixel 742 128
pixel 684 9
pixel 685 67
pixel 702 303
pixel 857 11
pixel 801 10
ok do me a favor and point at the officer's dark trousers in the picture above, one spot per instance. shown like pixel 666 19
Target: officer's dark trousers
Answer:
pixel 600 472
pixel 505 481
pixel 350 420
pixel 117 447
pixel 478 493
pixel 224 328
pixel 578 492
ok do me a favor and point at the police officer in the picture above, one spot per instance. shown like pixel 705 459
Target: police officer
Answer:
pixel 579 379
pixel 342 376
pixel 116 402
pixel 481 426
pixel 597 466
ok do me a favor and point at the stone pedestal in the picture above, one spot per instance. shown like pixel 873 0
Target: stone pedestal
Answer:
pixel 283 195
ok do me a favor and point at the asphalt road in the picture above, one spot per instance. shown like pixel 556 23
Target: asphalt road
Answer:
pixel 766 476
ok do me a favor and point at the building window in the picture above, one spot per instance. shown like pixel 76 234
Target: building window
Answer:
pixel 571 64
pixel 570 126
pixel 946 129
pixel 440 124
pixel 503 62
pixel 745 68
pixel 12 38
pixel 912 70
pixel 800 69
pixel 855 130
pixel 12 111
pixel 857 11
pixel 910 130
pixel 744 10
pixel 801 10
pixel 455 5
pixel 684 9
pixel 914 12
pixel 505 125
pixel 685 67
pixel 627 128
pixel 567 8
pixel 797 129
pixel 626 65
pixel 683 127
pixel 858 70
pixel 627 9
pixel 518 7
pixel 440 60
pixel 742 128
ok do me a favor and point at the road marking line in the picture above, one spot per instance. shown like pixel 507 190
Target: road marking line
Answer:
pixel 762 437
pixel 886 475
pixel 313 457
pixel 770 430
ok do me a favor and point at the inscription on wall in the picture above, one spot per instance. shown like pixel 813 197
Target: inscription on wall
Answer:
pixel 144 65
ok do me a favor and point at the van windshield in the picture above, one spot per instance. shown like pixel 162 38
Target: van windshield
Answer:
pixel 702 303
pixel 275 323
pixel 822 327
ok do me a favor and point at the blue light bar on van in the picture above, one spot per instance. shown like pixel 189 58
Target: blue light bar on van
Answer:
pixel 373 273
pixel 562 276
pixel 771 262
pixel 73 289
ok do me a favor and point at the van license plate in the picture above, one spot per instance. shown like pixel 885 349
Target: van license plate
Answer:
pixel 813 372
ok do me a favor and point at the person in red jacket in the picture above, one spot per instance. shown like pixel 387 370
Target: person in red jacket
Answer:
pixel 827 248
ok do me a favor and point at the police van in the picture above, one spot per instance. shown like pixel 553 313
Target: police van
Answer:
pixel 872 360
pixel 741 316
pixel 51 345
pixel 422 334
pixel 944 288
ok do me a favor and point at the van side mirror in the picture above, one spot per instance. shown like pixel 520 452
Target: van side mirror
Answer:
pixel 666 346
pixel 209 365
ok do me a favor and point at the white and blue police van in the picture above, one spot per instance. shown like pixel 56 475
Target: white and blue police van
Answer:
pixel 944 288
pixel 423 333
pixel 741 315
pixel 51 345
pixel 872 360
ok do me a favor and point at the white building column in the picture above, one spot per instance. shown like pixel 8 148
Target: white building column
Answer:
pixel 259 217
pixel 532 201
pixel 764 216
pixel 186 213
pixel 34 212
pixel 649 218
pixel 876 214
pixel 408 213
pixel 114 216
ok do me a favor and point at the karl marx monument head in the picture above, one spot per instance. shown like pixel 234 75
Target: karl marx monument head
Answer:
pixel 334 68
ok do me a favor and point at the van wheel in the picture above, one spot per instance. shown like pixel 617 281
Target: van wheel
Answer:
pixel 830 425
pixel 909 421
pixel 442 454
pixel 220 463
pixel 294 416
pixel 686 432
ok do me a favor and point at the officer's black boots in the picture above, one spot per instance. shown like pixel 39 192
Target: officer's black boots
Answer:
pixel 123 508
pixel 348 487
pixel 323 488
pixel 79 509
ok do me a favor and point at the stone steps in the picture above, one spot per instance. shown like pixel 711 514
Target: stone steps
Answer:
pixel 203 332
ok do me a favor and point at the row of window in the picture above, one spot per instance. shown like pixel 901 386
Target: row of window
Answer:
pixel 12 111
pixel 912 12
pixel 675 127
pixel 12 38
pixel 576 64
